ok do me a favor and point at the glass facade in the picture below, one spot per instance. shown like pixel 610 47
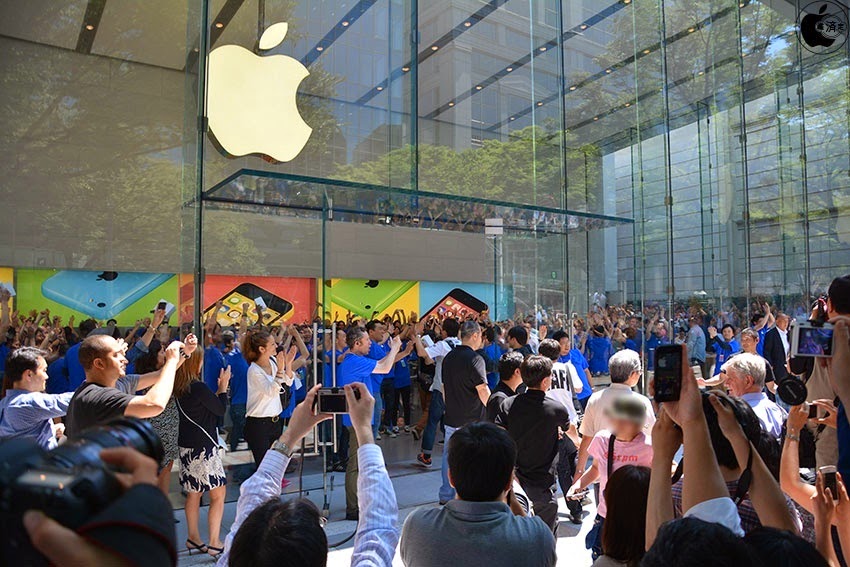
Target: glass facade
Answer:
pixel 538 151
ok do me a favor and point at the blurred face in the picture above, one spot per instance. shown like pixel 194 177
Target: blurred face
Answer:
pixel 728 333
pixel 624 428
pixel 748 343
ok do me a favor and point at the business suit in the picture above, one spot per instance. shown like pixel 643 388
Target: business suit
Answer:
pixel 774 352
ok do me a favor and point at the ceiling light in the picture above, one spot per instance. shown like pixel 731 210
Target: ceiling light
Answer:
pixel 583 26
pixel 540 103
pixel 451 104
pixel 513 117
pixel 405 69
pixel 628 104
pixel 543 48
pixel 380 88
pixel 627 1
pixel 219 25
pixel 595 118
pixel 646 51
pixel 467 24
pixel 701 73
pixel 691 30
pixel 509 69
pixel 320 48
pixel 478 87
pixel 572 88
pixel 89 27
pixel 344 24
pixel 434 48
pixel 741 5
pixel 607 70
pixel 196 50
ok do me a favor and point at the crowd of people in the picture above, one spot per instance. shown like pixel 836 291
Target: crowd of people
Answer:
pixel 523 408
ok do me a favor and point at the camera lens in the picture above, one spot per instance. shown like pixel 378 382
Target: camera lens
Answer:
pixel 123 432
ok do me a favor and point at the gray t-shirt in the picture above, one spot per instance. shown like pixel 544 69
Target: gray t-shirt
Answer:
pixel 93 404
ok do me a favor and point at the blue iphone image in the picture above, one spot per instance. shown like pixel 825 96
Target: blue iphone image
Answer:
pixel 101 295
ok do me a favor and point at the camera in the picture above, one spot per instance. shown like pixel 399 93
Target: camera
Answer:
pixel 332 400
pixel 811 338
pixel 70 483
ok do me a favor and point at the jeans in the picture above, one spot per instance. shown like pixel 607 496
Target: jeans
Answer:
pixel 376 417
pixel 593 540
pixel 446 491
pixel 435 415
pixel 237 415
pixel 388 400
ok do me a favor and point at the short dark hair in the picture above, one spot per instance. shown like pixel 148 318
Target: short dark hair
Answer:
pixel 147 362
pixel 490 334
pixel 723 328
pixel 519 334
pixel 782 548
pixel 560 335
pixel 19 361
pixel 550 348
pixel 281 533
pixel 690 542
pixel 353 335
pixel 508 364
pixel 370 326
pixel 481 458
pixel 92 348
pixel 624 530
pixel 451 327
pixel 469 328
pixel 535 369
pixel 86 327
pixel 839 294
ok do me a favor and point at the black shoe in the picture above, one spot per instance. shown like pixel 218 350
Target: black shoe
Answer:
pixel 576 519
pixel 352 516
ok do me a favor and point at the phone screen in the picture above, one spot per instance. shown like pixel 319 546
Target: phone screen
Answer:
pixel 668 373
pixel 457 304
pixel 161 306
pixel 332 400
pixel 814 341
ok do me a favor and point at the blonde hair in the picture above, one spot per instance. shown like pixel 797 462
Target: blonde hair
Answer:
pixel 189 371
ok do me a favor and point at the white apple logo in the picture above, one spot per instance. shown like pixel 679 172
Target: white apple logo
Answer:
pixel 251 99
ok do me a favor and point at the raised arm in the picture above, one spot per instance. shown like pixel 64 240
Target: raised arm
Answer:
pixel 789 466
pixel 386 364
pixel 153 403
pixel 666 440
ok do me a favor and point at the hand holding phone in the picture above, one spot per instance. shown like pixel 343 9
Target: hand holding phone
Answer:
pixel 668 373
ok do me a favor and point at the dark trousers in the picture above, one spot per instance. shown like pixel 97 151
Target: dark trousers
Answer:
pixel 545 503
pixel 388 397
pixel 237 416
pixel 402 398
pixel 435 416
pixel 567 453
pixel 260 433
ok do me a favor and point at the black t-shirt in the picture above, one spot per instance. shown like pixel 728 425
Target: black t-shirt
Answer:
pixel 498 396
pixel 93 404
pixel 463 371
pixel 532 421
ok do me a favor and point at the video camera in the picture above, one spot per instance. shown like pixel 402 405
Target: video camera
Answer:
pixel 812 338
pixel 70 483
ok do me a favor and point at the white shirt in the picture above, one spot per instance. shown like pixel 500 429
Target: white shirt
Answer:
pixel 564 378
pixel 771 416
pixel 595 419
pixel 437 353
pixel 783 335
pixel 264 391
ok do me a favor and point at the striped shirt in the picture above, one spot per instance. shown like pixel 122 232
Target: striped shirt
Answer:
pixel 377 533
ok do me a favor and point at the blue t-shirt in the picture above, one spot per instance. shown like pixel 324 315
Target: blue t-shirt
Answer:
pixel 843 442
pixel 378 352
pixel 638 341
pixel 723 355
pixel 651 344
pixel 238 377
pixel 762 334
pixel 631 345
pixel 57 376
pixel 76 374
pixel 599 351
pixel 494 352
pixel 356 368
pixel 401 371
pixel 213 365
pixel 4 352
pixel 327 371
pixel 580 363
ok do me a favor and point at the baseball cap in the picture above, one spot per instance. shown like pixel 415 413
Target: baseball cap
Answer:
pixel 627 408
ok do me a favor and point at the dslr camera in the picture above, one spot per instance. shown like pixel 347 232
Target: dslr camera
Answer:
pixel 70 483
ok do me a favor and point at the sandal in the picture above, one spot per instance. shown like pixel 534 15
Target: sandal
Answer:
pixel 215 551
pixel 193 547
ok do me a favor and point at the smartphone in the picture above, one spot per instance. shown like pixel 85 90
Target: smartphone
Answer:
pixel 458 304
pixel 161 305
pixel 668 373
pixel 813 411
pixel 811 340
pixel 101 295
pixel 829 480
pixel 331 400
pixel 276 308
pixel 366 297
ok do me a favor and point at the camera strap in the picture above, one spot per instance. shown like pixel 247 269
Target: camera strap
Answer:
pixel 196 424
pixel 611 442
pixel 744 481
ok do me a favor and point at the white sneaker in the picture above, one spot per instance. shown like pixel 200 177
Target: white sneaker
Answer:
pixel 378 437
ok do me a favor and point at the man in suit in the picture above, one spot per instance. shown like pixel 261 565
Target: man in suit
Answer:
pixel 777 347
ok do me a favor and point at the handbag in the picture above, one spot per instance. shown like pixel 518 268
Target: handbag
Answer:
pixel 217 443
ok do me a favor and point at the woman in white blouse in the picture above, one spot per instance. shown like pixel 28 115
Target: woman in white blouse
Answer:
pixel 268 371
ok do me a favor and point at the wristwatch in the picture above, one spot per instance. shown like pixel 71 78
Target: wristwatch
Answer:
pixel 282 448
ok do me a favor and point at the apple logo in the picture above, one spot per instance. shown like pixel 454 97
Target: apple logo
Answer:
pixel 251 99
pixel 821 25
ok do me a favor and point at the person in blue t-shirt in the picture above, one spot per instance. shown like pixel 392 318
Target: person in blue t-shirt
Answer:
pixel 762 323
pixel 358 367
pixel 634 323
pixel 402 383
pixel 599 350
pixel 725 346
pixel 213 358
pixel 492 351
pixel 657 338
pixel 238 386
pixel 574 356
pixel 378 349
pixel 631 340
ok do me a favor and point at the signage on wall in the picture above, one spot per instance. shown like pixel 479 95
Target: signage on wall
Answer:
pixel 822 27
pixel 251 99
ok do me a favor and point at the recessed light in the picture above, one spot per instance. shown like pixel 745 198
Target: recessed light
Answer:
pixel 219 25
pixel 89 27
pixel 451 103
pixel 627 1
pixel 595 118
pixel 320 48
pixel 380 88
pixel 344 24
pixel 691 30
pixel 513 118
pixel 540 103
pixel 543 48
pixel 607 70
pixel 478 87
pixel 196 50
pixel 701 73
pixel 434 48
pixel 405 69
pixel 646 51
pixel 628 104
pixel 572 88
pixel 467 24
pixel 583 26
pixel 741 5
pixel 509 69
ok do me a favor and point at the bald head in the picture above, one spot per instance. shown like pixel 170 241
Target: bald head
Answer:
pixel 94 347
